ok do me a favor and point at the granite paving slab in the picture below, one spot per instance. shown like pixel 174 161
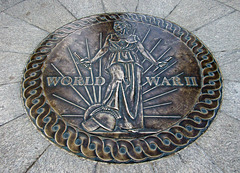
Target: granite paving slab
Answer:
pixel 119 5
pixel 193 14
pixel 20 145
pixel 121 168
pixel 5 4
pixel 222 143
pixel 83 8
pixel 18 36
pixel 11 66
pixel 44 14
pixel 229 62
pixel 222 34
pixel 232 3
pixel 11 105
pixel 231 100
pixel 55 159
pixel 191 160
pixel 157 8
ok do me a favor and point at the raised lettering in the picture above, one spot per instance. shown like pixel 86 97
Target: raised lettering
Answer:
pixel 53 80
pixel 87 81
pixel 176 81
pixel 152 80
pixel 165 82
pixel 66 80
pixel 191 81
pixel 78 81
pixel 99 81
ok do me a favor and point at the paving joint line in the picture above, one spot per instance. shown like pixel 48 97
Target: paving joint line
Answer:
pixel 125 7
pixel 103 6
pixel 152 166
pixel 12 120
pixel 181 159
pixel 226 5
pixel 213 21
pixel 66 9
pixel 6 51
pixel 10 83
pixel 13 5
pixel 232 50
pixel 37 158
pixel 95 167
pixel 227 63
pixel 27 22
pixel 172 10
pixel 230 80
pixel 137 6
pixel 231 116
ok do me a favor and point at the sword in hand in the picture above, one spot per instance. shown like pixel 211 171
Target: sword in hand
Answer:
pixel 162 64
pixel 83 61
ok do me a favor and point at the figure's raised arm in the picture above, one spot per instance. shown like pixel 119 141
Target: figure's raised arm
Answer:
pixel 102 51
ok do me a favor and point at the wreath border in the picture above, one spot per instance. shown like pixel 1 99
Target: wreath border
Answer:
pixel 112 150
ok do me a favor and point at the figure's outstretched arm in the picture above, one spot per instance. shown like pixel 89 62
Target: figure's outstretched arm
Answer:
pixel 102 50
pixel 146 54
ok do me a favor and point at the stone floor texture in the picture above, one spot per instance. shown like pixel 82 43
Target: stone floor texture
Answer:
pixel 24 23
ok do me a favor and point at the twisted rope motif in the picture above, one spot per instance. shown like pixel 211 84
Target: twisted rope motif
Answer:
pixel 122 150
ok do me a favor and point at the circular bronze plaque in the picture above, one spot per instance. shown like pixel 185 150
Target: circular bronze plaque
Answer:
pixel 122 88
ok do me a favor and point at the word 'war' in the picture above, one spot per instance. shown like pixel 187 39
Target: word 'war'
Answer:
pixel 173 81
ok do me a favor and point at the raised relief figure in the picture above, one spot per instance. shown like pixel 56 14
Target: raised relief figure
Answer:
pixel 122 106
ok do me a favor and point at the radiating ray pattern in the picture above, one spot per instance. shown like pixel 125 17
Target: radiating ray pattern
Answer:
pixel 74 88
pixel 91 72
pixel 157 60
pixel 163 116
pixel 67 101
pixel 100 71
pixel 160 95
pixel 80 74
pixel 157 105
pixel 77 60
pixel 154 47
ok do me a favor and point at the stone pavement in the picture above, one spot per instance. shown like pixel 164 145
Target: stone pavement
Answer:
pixel 24 23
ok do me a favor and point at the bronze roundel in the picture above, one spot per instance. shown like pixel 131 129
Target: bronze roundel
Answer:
pixel 122 88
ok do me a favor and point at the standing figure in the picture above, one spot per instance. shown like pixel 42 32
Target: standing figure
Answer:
pixel 124 91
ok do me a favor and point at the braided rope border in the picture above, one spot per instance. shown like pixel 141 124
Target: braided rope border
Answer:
pixel 111 150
